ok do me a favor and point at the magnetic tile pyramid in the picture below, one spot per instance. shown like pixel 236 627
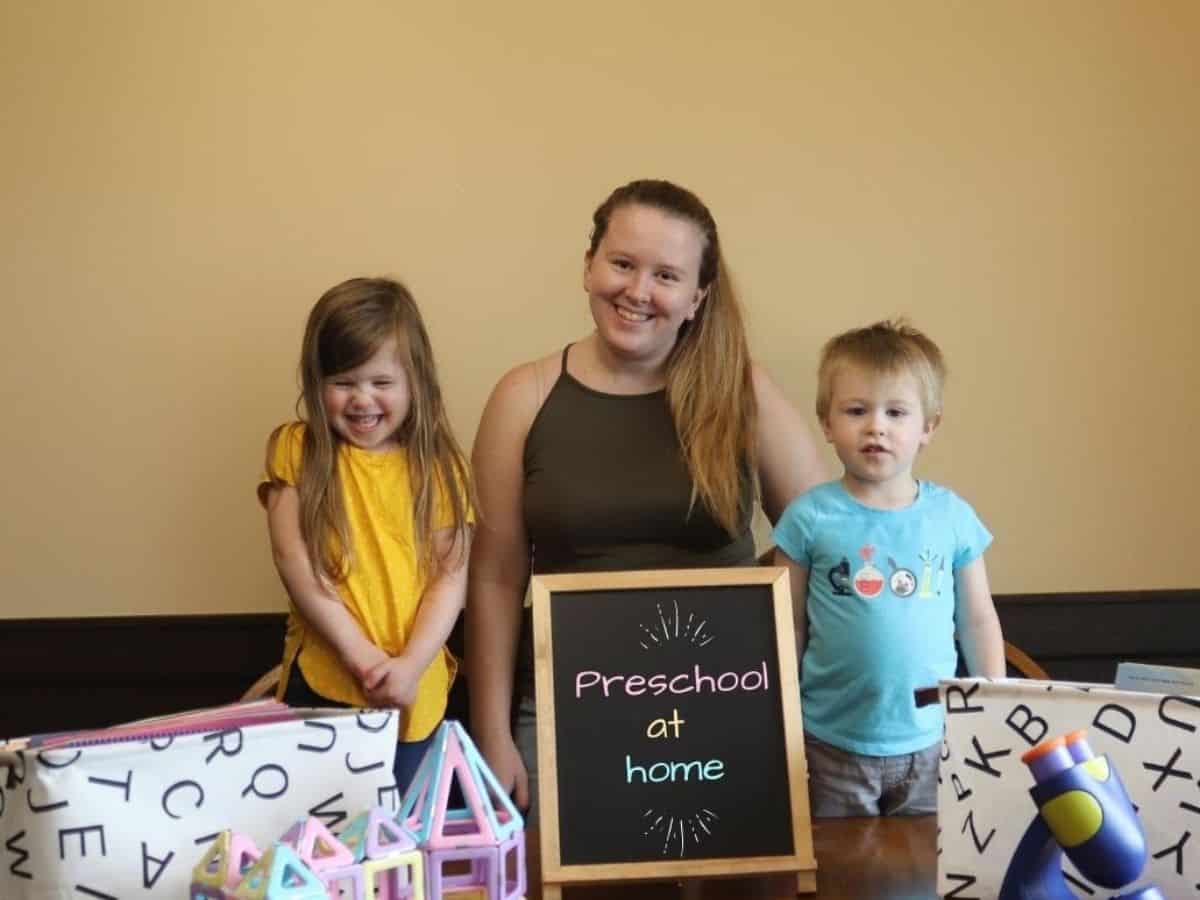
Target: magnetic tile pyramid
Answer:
pixel 489 817
pixel 230 856
pixel 316 845
pixel 280 875
pixel 374 834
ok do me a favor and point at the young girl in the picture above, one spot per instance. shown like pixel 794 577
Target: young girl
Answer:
pixel 369 509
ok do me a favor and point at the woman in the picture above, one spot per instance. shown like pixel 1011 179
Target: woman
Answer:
pixel 638 447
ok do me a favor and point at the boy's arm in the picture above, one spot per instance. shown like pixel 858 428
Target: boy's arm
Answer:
pixel 393 682
pixel 317 601
pixel 977 624
pixel 798 577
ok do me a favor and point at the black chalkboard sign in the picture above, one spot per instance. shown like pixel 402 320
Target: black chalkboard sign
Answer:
pixel 669 735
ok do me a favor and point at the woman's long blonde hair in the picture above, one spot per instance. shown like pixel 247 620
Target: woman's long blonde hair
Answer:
pixel 709 384
pixel 347 326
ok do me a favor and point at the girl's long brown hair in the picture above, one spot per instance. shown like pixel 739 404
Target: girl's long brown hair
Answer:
pixel 709 385
pixel 346 327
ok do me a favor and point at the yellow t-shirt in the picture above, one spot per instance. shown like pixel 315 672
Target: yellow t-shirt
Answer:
pixel 383 589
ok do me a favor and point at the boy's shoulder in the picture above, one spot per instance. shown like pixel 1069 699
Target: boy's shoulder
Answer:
pixel 940 503
pixel 826 492
pixel 821 498
pixel 932 492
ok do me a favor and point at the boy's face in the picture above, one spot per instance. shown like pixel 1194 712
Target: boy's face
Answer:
pixel 877 426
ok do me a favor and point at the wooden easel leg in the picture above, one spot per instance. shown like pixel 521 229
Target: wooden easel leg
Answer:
pixel 806 882
pixel 551 892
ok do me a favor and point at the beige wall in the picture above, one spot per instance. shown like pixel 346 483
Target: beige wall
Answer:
pixel 182 180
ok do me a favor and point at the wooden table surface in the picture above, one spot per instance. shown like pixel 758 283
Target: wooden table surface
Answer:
pixel 857 859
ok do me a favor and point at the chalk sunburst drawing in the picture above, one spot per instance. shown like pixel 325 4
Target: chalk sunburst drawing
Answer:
pixel 669 627
pixel 677 831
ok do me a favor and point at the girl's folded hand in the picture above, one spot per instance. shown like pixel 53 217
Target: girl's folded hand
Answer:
pixel 392 682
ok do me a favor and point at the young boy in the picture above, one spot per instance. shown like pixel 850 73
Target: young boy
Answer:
pixel 885 570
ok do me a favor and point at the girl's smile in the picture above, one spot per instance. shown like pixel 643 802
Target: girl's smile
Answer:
pixel 363 424
pixel 367 405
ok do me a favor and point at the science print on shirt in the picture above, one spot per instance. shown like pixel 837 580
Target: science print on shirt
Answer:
pixel 870 583
pixel 839 578
pixel 902 581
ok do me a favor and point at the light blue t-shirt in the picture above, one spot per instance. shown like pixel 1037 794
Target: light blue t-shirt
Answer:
pixel 881 611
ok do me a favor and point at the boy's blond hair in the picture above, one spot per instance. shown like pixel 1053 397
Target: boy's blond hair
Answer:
pixel 885 348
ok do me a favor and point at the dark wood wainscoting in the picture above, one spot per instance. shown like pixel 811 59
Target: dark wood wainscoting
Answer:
pixel 58 674
pixel 1082 637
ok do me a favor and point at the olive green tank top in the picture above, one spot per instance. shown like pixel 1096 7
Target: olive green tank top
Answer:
pixel 607 488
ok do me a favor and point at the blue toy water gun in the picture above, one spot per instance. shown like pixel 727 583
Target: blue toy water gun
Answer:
pixel 1084 812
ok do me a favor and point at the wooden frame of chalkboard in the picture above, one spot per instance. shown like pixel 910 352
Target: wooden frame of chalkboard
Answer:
pixel 669 736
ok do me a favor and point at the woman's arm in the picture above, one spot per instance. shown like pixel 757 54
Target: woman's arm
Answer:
pixel 393 682
pixel 500 562
pixel 798 578
pixel 977 624
pixel 789 460
pixel 316 599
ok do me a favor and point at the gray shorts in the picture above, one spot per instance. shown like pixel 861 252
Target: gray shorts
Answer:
pixel 843 784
